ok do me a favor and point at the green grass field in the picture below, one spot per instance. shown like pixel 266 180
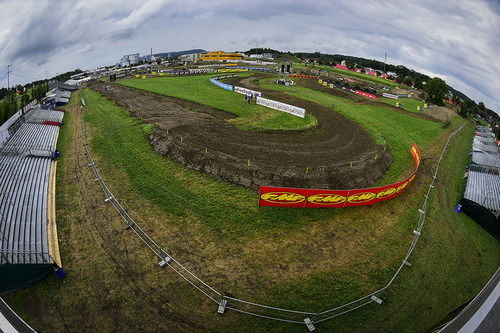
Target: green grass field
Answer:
pixel 294 258
pixel 400 131
pixel 199 89
pixel 229 212
pixel 354 75
pixel 409 104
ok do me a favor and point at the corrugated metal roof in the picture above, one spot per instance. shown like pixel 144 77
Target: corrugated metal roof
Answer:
pixel 483 187
pixel 480 146
pixel 485 140
pixel 486 158
pixel 33 136
pixel 40 115
pixel 24 185
pixel 24 182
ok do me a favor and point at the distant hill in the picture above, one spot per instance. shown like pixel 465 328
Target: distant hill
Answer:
pixel 177 53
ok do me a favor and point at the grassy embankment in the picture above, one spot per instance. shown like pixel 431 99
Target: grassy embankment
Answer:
pixel 199 89
pixel 303 259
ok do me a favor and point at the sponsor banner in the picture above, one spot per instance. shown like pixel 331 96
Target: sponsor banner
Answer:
pixel 315 198
pixel 200 70
pixel 390 95
pixel 221 84
pixel 296 111
pixel 247 92
pixel 365 94
pixel 246 68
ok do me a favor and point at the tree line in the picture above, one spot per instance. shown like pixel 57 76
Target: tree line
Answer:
pixel 13 102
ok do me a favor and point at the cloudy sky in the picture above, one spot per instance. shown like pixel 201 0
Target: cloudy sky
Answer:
pixel 458 41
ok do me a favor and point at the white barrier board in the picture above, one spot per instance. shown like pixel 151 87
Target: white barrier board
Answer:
pixel 296 111
pixel 247 92
pixel 390 95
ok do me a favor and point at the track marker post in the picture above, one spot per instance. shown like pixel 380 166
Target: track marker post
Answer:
pixel 309 324
pixel 165 261
pixel 376 299
pixel 222 305
pixel 248 163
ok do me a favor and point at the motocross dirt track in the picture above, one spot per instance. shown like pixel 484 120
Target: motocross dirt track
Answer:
pixel 200 138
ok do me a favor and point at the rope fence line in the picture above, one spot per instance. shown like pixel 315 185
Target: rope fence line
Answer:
pixel 309 319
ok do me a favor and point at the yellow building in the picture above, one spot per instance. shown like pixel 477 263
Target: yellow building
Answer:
pixel 220 56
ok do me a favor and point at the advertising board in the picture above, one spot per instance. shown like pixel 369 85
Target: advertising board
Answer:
pixel 317 198
pixel 296 111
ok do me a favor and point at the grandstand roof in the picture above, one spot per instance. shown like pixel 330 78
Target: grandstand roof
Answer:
pixel 486 158
pixel 28 236
pixel 220 55
pixel 485 145
pixel 40 115
pixel 483 187
pixel 24 182
pixel 32 137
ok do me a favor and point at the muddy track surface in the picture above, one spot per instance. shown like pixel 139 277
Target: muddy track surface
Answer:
pixel 199 137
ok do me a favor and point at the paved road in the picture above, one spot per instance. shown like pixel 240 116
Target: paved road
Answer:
pixel 482 314
pixel 10 322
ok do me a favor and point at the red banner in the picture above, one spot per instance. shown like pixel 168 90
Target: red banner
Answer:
pixel 53 123
pixel 315 198
pixel 365 94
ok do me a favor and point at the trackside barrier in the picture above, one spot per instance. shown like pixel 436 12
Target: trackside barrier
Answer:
pixel 222 85
pixel 390 95
pixel 293 110
pixel 308 319
pixel 247 92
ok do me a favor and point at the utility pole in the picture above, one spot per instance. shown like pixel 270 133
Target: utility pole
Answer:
pixel 9 70
pixel 385 60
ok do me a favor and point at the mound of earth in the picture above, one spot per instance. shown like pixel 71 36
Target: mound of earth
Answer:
pixel 200 138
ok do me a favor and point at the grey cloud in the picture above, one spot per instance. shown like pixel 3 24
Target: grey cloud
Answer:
pixel 456 39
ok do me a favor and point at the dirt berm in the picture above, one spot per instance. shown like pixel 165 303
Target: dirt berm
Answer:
pixel 200 138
